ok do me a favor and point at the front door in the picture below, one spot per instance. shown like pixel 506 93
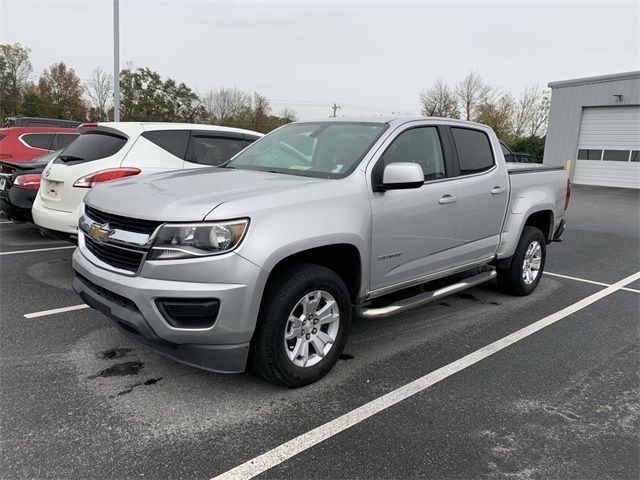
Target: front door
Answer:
pixel 413 230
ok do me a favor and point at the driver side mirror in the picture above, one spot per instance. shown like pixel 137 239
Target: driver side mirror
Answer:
pixel 401 175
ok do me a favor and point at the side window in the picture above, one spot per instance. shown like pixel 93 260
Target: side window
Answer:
pixel 173 141
pixel 474 150
pixel 38 140
pixel 212 150
pixel 418 145
pixel 249 139
pixel 63 140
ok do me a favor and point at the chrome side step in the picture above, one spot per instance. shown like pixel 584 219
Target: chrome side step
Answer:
pixel 425 297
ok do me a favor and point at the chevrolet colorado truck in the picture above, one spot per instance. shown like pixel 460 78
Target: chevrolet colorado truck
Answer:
pixel 264 260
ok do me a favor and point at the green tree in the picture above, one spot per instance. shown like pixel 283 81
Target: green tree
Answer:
pixel 497 113
pixel 146 97
pixel 60 93
pixel 15 68
pixel 532 145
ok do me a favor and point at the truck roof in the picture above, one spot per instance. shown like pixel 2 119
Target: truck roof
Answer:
pixel 390 120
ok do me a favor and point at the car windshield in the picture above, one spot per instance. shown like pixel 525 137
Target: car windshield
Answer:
pixel 318 149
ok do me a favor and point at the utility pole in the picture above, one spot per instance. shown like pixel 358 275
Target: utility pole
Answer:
pixel 116 60
pixel 335 107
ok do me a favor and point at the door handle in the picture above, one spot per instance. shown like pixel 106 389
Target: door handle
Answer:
pixel 497 190
pixel 447 199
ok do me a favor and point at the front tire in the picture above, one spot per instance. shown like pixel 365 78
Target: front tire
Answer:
pixel 302 327
pixel 527 264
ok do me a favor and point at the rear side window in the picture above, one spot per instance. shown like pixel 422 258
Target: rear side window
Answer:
pixel 249 139
pixel 213 150
pixel 173 141
pixel 63 140
pixel 38 140
pixel 474 150
pixel 92 146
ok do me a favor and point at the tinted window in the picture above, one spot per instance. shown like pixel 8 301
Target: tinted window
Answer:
pixel 250 139
pixel 212 150
pixel 474 150
pixel 63 140
pixel 616 155
pixel 421 146
pixel 92 146
pixel 635 156
pixel 589 154
pixel 173 141
pixel 1 136
pixel 38 140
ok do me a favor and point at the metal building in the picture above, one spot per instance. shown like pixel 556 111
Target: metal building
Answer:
pixel 595 123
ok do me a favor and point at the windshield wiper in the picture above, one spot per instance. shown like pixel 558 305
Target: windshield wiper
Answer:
pixel 70 158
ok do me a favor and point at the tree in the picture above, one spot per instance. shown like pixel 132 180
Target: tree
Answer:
pixel 439 101
pixel 470 92
pixel 60 93
pixel 532 145
pixel 15 68
pixel 146 97
pixel 224 103
pixel 99 89
pixel 531 112
pixel 496 111
pixel 288 115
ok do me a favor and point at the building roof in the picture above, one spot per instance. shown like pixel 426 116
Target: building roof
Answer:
pixel 598 79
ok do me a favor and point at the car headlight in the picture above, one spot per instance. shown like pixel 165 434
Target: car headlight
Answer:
pixel 174 241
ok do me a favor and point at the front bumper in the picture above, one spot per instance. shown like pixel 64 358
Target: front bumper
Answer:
pixel 130 301
pixel 57 220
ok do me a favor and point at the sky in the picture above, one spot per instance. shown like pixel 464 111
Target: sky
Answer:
pixel 372 58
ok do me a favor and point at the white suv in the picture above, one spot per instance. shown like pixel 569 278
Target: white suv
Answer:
pixel 109 151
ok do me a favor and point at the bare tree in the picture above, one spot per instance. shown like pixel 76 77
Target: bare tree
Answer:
pixel 288 115
pixel 439 101
pixel 470 92
pixel 99 89
pixel 223 103
pixel 531 112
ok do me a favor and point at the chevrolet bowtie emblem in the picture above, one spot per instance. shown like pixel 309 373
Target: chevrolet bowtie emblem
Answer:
pixel 100 232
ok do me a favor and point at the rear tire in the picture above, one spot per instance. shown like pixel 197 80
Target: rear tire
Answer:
pixel 302 327
pixel 527 264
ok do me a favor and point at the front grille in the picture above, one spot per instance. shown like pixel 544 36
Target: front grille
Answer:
pixel 128 258
pixel 122 223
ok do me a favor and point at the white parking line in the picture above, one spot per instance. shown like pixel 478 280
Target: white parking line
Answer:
pixel 55 310
pixel 309 439
pixel 36 250
pixel 584 280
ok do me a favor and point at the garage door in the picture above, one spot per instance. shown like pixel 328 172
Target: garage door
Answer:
pixel 609 147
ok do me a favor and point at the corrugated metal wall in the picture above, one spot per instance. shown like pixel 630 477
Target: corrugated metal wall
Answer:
pixel 567 102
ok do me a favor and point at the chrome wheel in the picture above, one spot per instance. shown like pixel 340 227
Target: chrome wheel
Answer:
pixel 532 262
pixel 312 328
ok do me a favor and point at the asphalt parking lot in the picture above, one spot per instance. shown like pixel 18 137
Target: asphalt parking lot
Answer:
pixel 78 400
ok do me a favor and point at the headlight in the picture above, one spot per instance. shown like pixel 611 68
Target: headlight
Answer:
pixel 192 240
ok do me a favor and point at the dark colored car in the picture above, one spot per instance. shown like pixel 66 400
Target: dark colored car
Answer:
pixel 19 184
pixel 517 157
pixel 38 122
pixel 19 144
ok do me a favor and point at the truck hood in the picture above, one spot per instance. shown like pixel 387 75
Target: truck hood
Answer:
pixel 187 195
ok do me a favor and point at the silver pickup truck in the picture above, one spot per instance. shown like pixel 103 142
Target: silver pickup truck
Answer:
pixel 265 260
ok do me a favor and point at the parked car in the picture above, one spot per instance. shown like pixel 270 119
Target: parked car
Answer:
pixel 517 157
pixel 110 151
pixel 263 259
pixel 19 144
pixel 19 184
pixel 38 122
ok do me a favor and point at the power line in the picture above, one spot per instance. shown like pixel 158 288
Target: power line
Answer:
pixel 335 108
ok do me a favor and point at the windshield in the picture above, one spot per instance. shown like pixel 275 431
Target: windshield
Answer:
pixel 319 149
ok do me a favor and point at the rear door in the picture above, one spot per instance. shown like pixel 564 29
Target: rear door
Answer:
pixel 210 148
pixel 484 193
